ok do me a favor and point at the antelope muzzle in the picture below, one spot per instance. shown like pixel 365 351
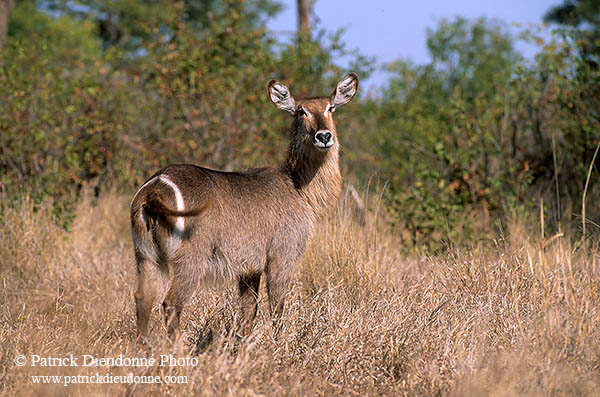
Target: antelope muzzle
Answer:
pixel 323 140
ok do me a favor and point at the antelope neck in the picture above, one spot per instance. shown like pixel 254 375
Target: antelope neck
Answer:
pixel 316 177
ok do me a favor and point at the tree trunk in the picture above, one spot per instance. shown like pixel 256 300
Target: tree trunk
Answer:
pixel 304 11
pixel 6 7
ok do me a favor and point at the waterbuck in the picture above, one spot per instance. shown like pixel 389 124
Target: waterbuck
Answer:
pixel 192 224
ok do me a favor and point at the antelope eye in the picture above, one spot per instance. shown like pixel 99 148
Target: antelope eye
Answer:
pixel 301 111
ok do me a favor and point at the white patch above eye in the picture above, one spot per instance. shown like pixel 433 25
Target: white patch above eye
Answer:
pixel 306 112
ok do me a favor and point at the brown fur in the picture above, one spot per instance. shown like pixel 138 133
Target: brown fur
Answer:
pixel 237 224
pixel 155 204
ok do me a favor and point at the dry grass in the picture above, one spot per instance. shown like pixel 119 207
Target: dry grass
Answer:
pixel 361 319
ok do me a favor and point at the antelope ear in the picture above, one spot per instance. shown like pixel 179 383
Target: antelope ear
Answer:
pixel 345 90
pixel 281 97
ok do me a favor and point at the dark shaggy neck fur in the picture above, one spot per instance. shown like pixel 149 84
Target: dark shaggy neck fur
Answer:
pixel 315 174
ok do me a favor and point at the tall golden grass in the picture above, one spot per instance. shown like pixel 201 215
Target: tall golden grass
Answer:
pixel 361 319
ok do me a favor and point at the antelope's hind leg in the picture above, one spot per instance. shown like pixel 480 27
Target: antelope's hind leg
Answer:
pixel 183 286
pixel 248 287
pixel 149 282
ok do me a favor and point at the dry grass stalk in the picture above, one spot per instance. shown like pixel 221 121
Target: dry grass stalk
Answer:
pixel 362 319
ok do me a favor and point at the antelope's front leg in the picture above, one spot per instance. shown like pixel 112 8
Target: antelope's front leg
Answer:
pixel 279 273
pixel 248 287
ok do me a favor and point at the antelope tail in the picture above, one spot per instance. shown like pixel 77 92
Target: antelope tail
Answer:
pixel 155 204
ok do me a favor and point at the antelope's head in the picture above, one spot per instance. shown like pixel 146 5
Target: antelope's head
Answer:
pixel 313 125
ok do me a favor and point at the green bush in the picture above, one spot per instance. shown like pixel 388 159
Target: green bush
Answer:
pixel 479 135
pixel 77 116
pixel 106 93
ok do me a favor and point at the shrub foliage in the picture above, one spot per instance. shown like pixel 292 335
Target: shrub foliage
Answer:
pixel 104 93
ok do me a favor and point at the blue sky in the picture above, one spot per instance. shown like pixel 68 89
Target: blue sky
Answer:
pixel 391 30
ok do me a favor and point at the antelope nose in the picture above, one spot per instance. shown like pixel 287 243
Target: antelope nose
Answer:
pixel 323 137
